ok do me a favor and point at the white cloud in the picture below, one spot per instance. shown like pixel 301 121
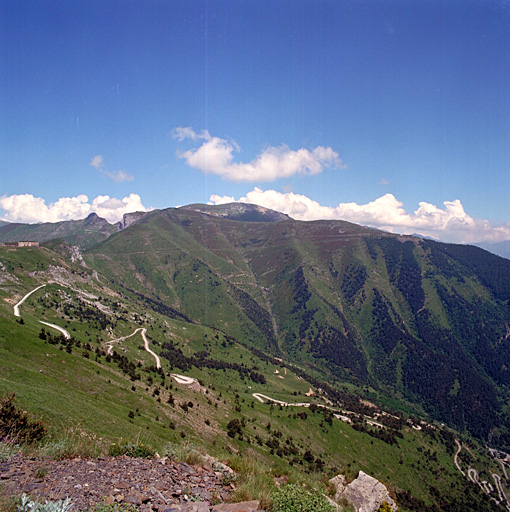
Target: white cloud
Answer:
pixel 116 176
pixel 119 176
pixel 216 156
pixel 181 133
pixel 29 209
pixel 449 224
pixel 97 161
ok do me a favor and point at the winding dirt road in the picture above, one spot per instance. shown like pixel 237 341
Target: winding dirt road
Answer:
pixel 17 306
pixel 67 336
pixel 487 487
pixel 145 343
pixel 109 343
pixel 17 313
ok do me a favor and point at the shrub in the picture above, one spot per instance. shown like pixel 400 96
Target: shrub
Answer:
pixel 234 428
pixel 7 450
pixel 57 449
pixel 74 442
pixel 15 424
pixel 131 450
pixel 27 505
pixel 292 498
pixel 186 452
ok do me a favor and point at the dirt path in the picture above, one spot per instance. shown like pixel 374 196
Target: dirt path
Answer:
pixel 17 313
pixel 456 457
pixel 182 379
pixel 58 328
pixel 145 342
pixel 146 345
pixel 17 306
pixel 260 397
pixel 486 487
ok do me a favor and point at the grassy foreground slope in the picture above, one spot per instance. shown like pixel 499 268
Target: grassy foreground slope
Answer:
pixel 92 398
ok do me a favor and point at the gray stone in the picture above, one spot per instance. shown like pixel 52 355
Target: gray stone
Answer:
pixel 243 506
pixel 186 468
pixel 136 498
pixel 366 494
pixel 339 482
pixel 199 506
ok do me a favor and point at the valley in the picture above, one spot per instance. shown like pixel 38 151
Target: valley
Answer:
pixel 315 348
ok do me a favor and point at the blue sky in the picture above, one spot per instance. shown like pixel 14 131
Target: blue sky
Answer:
pixel 394 114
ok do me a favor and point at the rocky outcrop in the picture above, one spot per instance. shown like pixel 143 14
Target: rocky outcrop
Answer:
pixel 150 485
pixel 239 211
pixel 129 218
pixel 365 493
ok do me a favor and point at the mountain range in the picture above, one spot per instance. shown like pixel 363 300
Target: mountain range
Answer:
pixel 414 326
pixel 414 319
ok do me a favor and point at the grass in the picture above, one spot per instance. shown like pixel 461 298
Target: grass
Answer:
pixel 72 444
pixel 254 479
pixel 186 452
pixel 7 450
pixel 87 405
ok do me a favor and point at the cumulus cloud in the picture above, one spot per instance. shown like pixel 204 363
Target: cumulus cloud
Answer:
pixel 216 156
pixel 116 176
pixel 29 209
pixel 449 223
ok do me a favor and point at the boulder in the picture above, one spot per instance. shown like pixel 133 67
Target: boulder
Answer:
pixel 365 493
pixel 339 482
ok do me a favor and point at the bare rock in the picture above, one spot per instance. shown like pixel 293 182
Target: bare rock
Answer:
pixel 243 506
pixel 136 498
pixel 366 494
pixel 339 482
pixel 192 507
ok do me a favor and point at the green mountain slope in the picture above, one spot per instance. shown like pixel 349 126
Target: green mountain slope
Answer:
pixel 87 393
pixel 421 323
pixel 83 233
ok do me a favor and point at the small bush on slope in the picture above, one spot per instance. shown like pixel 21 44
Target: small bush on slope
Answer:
pixel 15 425
pixel 186 452
pixel 292 498
pixel 7 450
pixel 131 450
pixel 27 505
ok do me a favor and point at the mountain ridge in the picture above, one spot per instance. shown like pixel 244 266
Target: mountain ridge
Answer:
pixel 383 336
pixel 239 211
pixel 367 306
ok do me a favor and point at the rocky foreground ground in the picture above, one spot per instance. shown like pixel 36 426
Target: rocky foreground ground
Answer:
pixel 151 485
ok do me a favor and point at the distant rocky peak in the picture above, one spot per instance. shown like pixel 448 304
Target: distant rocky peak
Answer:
pixel 94 219
pixel 130 218
pixel 239 211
